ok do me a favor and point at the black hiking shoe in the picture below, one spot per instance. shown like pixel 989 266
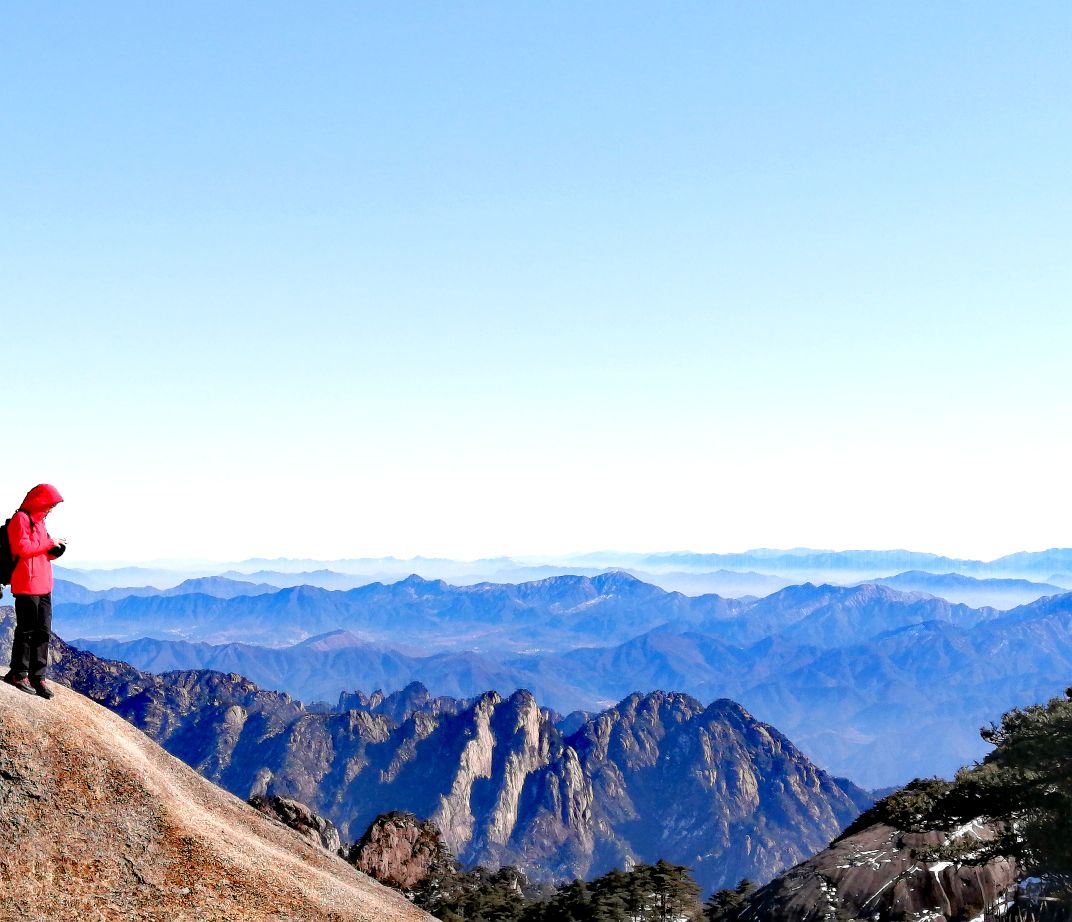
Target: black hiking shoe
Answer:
pixel 40 686
pixel 22 684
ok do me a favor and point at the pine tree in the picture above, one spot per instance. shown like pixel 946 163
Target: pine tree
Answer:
pixel 726 905
pixel 674 893
pixel 570 903
pixel 1024 787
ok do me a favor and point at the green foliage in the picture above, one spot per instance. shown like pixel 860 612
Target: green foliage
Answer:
pixel 726 905
pixel 914 808
pixel 475 896
pixel 1022 789
pixel 570 903
pixel 672 891
pixel 1024 785
pixel 658 892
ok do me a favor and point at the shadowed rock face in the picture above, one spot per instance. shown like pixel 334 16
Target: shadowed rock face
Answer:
pixel 301 819
pixel 657 776
pixel 401 704
pixel 880 874
pixel 711 788
pixel 401 851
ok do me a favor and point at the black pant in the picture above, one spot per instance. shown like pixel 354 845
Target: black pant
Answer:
pixel 33 629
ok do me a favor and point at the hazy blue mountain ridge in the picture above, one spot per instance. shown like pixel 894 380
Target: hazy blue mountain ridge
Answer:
pixel 868 562
pixel 756 572
pixel 970 590
pixel 219 587
pixel 551 614
pixel 423 615
pixel 852 673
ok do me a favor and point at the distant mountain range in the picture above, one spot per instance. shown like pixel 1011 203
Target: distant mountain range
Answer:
pixel 755 572
pixel 558 613
pixel 1026 564
pixel 855 674
pixel 954 587
pixel 216 586
pixel 507 782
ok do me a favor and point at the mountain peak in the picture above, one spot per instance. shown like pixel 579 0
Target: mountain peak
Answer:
pixel 416 581
pixel 655 701
pixel 727 707
pixel 616 580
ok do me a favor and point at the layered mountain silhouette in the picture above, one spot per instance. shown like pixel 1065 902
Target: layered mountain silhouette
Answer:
pixel 100 822
pixel 853 674
pixel 557 613
pixel 219 587
pixel 756 572
pixel 955 587
pixel 657 776
pixel 868 563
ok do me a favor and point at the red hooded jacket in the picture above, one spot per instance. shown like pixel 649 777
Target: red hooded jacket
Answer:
pixel 30 542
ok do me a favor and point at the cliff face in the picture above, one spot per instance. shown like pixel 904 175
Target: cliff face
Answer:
pixel 99 822
pixel 710 787
pixel 883 874
pixel 658 776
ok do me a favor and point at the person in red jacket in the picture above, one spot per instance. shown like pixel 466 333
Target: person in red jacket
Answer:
pixel 31 585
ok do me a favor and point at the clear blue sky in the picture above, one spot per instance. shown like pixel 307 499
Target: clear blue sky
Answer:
pixel 479 278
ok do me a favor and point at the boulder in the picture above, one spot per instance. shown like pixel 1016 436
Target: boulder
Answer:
pixel 401 851
pixel 299 818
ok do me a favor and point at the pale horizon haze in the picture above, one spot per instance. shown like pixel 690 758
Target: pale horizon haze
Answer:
pixel 473 279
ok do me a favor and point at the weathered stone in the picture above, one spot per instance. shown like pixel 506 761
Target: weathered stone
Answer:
pixel 99 822
pixel 301 819
pixel 883 874
pixel 401 851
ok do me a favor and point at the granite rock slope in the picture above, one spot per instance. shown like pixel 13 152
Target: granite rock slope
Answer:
pixel 101 823
pixel 884 874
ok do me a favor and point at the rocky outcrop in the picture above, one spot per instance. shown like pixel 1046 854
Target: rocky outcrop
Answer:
pixel 98 822
pixel 401 851
pixel 301 819
pixel 402 704
pixel 709 787
pixel 888 875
